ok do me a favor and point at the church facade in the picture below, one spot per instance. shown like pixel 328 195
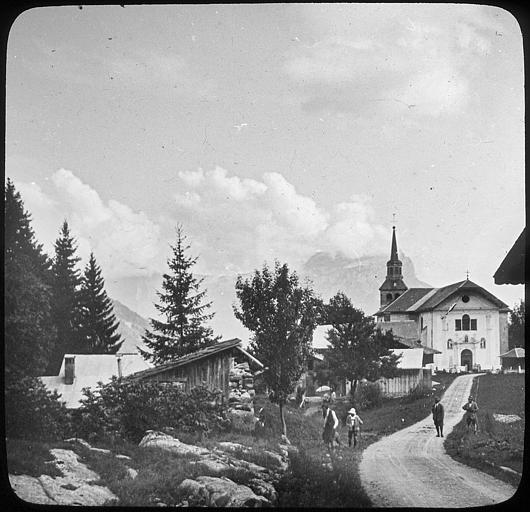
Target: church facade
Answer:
pixel 464 326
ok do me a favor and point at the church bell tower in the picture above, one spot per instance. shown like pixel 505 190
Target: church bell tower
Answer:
pixel 393 285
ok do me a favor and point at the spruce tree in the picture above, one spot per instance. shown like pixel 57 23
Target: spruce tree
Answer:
pixel 66 286
pixel 183 311
pixel 29 330
pixel 98 324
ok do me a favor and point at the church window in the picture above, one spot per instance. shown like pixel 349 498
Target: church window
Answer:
pixel 473 324
pixel 421 323
pixel 449 343
pixel 389 297
pixel 396 296
pixel 466 339
pixel 482 342
pixel 465 323
pixel 458 325
pixel 465 298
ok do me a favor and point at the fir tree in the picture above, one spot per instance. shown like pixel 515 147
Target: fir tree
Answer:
pixel 66 285
pixel 28 324
pixel 182 309
pixel 98 323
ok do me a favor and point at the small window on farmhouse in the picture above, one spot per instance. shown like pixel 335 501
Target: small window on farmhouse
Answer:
pixel 458 325
pixel 449 343
pixel 482 342
pixel 465 323
pixel 473 324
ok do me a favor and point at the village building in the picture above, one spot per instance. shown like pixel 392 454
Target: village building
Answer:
pixel 462 325
pixel 79 371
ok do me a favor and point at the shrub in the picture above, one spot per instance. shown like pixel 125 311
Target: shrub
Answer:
pixel 126 409
pixel 33 412
pixel 417 392
pixel 367 396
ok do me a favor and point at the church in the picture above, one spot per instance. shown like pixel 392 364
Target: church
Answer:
pixel 461 326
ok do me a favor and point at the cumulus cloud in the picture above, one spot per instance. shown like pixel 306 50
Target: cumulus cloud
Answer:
pixel 125 242
pixel 239 223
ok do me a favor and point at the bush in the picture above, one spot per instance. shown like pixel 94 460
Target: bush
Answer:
pixel 417 392
pixel 126 409
pixel 33 412
pixel 367 396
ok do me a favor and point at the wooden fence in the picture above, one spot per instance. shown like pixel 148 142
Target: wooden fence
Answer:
pixel 406 381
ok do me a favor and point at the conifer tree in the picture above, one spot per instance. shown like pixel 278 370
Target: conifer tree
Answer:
pixel 98 323
pixel 29 330
pixel 66 286
pixel 183 311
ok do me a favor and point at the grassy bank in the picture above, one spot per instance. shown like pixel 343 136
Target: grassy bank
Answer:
pixel 497 443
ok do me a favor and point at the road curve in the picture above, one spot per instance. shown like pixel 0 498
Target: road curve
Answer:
pixel 410 468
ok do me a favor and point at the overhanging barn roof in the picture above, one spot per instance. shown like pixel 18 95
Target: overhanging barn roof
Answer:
pixel 511 270
pixel 516 352
pixel 196 356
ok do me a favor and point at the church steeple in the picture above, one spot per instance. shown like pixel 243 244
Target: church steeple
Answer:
pixel 393 285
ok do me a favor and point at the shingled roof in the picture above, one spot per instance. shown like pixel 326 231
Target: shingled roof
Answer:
pixel 196 356
pixel 511 270
pixel 415 300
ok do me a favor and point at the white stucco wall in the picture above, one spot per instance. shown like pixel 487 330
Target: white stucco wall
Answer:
pixel 439 330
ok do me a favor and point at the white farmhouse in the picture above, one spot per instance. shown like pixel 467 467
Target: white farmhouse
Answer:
pixel 465 323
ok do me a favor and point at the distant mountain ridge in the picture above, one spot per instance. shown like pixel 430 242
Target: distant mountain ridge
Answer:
pixel 328 273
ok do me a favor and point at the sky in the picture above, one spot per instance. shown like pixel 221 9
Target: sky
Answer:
pixel 271 131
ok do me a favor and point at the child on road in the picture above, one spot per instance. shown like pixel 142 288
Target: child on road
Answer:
pixel 353 422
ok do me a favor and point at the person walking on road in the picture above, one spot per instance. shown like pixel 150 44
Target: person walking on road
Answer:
pixel 471 409
pixel 331 423
pixel 353 422
pixel 438 417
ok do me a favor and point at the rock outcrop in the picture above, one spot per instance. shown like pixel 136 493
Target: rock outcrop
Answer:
pixel 241 397
pixel 76 486
pixel 225 459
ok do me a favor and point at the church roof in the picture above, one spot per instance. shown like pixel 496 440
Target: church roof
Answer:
pixel 415 300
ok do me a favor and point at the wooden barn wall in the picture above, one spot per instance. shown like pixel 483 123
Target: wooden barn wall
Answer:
pixel 406 381
pixel 211 371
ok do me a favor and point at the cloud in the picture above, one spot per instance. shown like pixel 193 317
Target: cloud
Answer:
pixel 238 223
pixel 124 242
pixel 424 57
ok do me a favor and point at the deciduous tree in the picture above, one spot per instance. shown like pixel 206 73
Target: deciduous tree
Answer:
pixel 282 317
pixel 182 328
pixel 357 349
pixel 516 326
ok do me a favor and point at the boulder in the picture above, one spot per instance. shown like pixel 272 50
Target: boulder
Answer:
pixel 213 466
pixel 153 439
pixel 132 473
pixel 263 488
pixel 242 420
pixel 64 491
pixel 223 492
pixel 30 489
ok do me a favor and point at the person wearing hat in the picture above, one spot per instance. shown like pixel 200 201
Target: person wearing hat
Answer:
pixel 438 417
pixel 353 422
pixel 471 409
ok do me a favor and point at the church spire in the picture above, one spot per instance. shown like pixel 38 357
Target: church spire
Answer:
pixel 393 285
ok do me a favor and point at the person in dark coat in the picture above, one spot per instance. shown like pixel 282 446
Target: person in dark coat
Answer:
pixel 471 409
pixel 438 417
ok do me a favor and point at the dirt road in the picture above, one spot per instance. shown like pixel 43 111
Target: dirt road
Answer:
pixel 411 469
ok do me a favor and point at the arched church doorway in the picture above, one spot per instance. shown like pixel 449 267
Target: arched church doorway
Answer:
pixel 466 359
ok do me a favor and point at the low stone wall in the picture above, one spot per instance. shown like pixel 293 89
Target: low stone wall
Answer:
pixel 241 397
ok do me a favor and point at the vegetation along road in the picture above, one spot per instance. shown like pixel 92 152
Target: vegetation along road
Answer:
pixel 410 468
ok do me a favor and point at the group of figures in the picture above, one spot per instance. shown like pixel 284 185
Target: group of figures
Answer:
pixel 330 434
pixel 331 437
pixel 470 407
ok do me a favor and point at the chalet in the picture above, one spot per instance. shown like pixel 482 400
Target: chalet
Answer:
pixel 80 371
pixel 411 373
pixel 214 367
pixel 513 360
